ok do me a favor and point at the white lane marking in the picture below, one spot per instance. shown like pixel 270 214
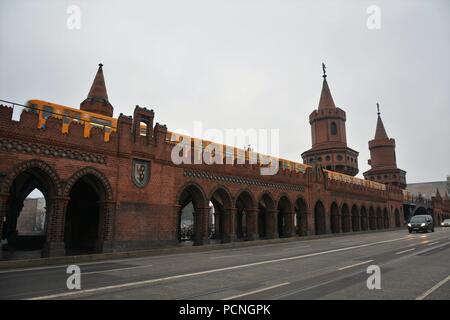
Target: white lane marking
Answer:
pixel 144 282
pixel 400 252
pixel 256 291
pixel 231 255
pixel 434 288
pixel 355 265
pixel 295 248
pixel 430 244
pixel 118 269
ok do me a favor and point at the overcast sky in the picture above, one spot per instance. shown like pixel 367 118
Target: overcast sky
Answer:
pixel 246 64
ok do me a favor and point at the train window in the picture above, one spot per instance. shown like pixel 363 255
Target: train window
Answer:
pixel 101 122
pixel 33 108
pixel 66 119
pixel 48 111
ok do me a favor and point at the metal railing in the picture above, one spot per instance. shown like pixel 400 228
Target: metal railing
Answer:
pixel 50 113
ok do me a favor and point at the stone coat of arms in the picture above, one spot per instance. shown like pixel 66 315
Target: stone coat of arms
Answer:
pixel 140 173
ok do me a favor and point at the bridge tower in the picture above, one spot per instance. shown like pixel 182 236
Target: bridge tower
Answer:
pixel 383 160
pixel 97 99
pixel 329 139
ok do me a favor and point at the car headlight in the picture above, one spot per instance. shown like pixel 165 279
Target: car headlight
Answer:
pixel 442 223
pixel 423 224
pixel 409 224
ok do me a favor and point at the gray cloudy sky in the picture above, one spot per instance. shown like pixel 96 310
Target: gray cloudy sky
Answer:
pixel 246 64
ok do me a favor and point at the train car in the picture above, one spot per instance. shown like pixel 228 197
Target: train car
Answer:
pixel 45 109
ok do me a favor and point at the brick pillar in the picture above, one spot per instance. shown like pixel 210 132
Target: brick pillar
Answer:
pixel 252 224
pixel 106 226
pixel 311 222
pixel 56 212
pixel 229 225
pixel 3 199
pixel 272 224
pixel 201 226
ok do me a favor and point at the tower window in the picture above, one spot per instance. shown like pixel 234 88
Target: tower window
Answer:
pixel 333 128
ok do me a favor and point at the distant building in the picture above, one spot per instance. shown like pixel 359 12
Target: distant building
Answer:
pixel 428 189
pixel 32 217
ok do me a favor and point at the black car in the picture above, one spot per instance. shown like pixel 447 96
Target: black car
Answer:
pixel 421 223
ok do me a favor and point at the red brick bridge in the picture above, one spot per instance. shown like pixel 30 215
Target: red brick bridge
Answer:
pixel 126 193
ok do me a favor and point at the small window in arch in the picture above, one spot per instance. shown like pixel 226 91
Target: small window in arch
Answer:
pixel 333 128
pixel 328 158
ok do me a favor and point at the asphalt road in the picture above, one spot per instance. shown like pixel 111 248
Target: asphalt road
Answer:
pixel 415 266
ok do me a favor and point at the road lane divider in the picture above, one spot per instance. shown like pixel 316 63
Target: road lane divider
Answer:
pixel 404 251
pixel 434 288
pixel 256 291
pixel 355 265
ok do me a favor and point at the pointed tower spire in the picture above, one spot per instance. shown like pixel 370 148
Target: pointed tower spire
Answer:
pixel 97 99
pixel 98 88
pixel 438 194
pixel 326 99
pixel 380 132
pixel 382 160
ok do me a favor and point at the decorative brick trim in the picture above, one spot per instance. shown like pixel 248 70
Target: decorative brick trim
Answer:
pixel 49 151
pixel 240 180
pixel 8 180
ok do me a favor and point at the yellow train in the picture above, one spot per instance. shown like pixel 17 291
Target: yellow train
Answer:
pixel 45 109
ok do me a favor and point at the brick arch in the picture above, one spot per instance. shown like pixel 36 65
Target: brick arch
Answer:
pixel 285 217
pixel 247 191
pixel 285 195
pixel 270 195
pixel 10 206
pixel 335 218
pixel 27 165
pixel 266 218
pixel 222 228
pixel 89 171
pixel 320 217
pixel 364 216
pixel 345 217
pixel 195 185
pixel 223 188
pixel 354 211
pixel 301 211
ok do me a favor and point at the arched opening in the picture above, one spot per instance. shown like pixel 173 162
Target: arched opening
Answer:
pixel 397 218
pixel 372 219
pixel 284 227
pixel 364 221
pixel 266 217
pixel 220 203
pixel 386 218
pixel 333 129
pixel 334 218
pixel 244 207
pixel 82 228
pixel 301 217
pixel 355 218
pixel 27 208
pixel 420 211
pixel 379 219
pixel 319 218
pixel 192 226
pixel 346 224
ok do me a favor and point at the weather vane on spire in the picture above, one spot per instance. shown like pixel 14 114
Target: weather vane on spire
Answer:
pixel 324 68
pixel 378 108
